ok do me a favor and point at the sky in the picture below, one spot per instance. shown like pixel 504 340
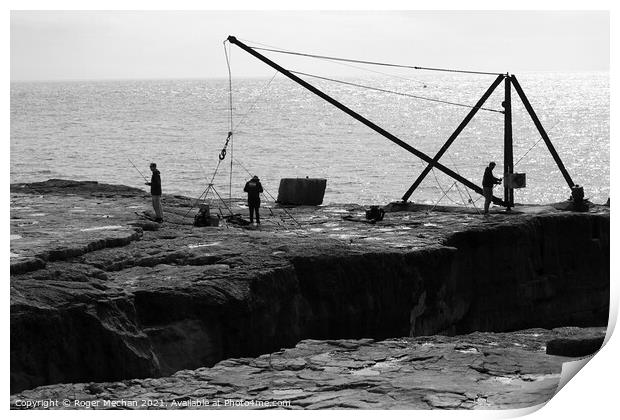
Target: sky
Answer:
pixel 76 45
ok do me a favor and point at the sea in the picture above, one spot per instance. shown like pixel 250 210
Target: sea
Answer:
pixel 98 130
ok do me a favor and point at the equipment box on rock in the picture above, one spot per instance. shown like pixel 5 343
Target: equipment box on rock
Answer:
pixel 302 191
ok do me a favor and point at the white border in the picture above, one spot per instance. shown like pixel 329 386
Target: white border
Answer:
pixel 592 394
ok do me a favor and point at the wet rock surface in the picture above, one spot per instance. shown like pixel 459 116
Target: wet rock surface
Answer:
pixel 475 371
pixel 101 294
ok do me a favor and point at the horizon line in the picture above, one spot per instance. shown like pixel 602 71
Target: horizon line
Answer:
pixel 224 77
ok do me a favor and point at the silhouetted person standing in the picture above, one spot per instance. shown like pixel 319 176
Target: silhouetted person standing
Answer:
pixel 156 193
pixel 488 182
pixel 253 187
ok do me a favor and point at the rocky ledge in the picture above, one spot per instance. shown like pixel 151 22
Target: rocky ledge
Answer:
pixel 100 294
pixel 475 371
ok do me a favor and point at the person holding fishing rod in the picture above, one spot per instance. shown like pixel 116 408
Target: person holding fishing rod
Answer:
pixel 155 185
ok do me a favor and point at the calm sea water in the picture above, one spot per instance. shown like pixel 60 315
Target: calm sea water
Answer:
pixel 90 130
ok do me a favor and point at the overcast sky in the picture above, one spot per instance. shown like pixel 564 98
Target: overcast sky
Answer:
pixel 60 45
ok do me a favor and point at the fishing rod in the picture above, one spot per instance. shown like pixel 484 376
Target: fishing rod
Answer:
pixel 141 174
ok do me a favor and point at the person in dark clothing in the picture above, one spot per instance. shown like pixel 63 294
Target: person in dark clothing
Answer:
pixel 156 193
pixel 488 182
pixel 253 187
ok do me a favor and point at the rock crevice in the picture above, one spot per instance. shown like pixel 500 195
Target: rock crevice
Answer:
pixel 182 299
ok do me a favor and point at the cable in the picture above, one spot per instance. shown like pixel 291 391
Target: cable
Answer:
pixel 222 155
pixel 395 92
pixel 375 63
pixel 258 96
pixel 350 65
pixel 210 184
pixel 230 102
pixel 379 72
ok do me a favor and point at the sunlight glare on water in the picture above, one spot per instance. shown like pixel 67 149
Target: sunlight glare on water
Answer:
pixel 89 130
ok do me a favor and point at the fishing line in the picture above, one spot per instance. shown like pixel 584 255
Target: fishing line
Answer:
pixel 141 174
pixel 471 200
pixel 441 198
pixel 535 144
pixel 266 192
